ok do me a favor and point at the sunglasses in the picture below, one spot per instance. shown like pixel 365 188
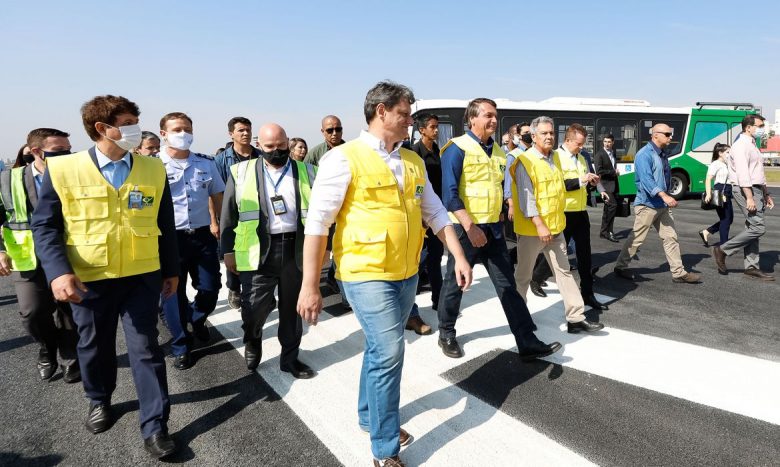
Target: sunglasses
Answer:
pixel 335 129
pixel 668 135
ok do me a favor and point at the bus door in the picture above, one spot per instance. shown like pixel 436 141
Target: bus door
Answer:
pixel 625 132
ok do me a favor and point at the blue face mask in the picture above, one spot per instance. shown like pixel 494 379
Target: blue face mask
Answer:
pixel 759 133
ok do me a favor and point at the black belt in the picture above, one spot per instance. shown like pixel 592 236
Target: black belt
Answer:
pixel 283 236
pixel 193 231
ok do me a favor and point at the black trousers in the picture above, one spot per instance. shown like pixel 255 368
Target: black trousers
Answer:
pixel 495 257
pixel 48 321
pixel 578 228
pixel 257 298
pixel 434 252
pixel 610 211
pixel 134 299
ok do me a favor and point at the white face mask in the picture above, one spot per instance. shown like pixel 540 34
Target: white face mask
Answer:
pixel 131 137
pixel 516 140
pixel 181 140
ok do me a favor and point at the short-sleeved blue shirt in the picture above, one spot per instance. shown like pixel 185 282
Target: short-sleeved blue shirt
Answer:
pixel 192 181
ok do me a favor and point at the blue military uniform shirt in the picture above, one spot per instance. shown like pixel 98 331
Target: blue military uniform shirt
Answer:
pixel 192 181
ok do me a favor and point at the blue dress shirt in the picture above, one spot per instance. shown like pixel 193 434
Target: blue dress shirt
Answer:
pixel 192 181
pixel 115 172
pixel 653 175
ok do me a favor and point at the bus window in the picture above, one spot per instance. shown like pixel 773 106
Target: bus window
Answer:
pixel 445 133
pixel 678 127
pixel 625 133
pixel 707 134
pixel 563 123
pixel 736 129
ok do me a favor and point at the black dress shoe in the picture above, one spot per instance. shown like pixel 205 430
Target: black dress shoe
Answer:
pixel 252 355
pixel 99 418
pixel 298 369
pixel 538 349
pixel 201 331
pixel 624 273
pixel 71 373
pixel 583 326
pixel 593 303
pixel 537 290
pixel 159 445
pixel 234 299
pixel 610 236
pixel 47 365
pixel 183 361
pixel 450 347
pixel 543 283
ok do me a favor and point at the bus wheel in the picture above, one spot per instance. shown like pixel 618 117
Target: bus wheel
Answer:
pixel 679 187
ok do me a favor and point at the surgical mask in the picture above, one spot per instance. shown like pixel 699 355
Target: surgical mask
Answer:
pixel 516 140
pixel 277 157
pixel 526 139
pixel 28 158
pixel 131 137
pixel 181 140
pixel 759 133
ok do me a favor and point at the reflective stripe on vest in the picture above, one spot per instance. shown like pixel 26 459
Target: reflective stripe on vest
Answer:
pixel 549 191
pixel 246 247
pixel 481 182
pixel 576 200
pixel 17 235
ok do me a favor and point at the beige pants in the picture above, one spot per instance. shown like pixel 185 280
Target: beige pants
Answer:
pixel 663 222
pixel 528 248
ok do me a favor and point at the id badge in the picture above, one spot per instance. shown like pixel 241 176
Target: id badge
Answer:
pixel 278 204
pixel 136 200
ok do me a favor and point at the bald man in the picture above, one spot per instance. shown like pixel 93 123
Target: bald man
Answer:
pixel 331 131
pixel 653 207
pixel 263 211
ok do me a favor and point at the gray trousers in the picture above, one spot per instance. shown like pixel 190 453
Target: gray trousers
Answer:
pixel 755 228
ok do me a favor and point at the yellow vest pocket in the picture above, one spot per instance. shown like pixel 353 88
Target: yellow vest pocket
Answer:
pixel 145 242
pixel 371 248
pixel 85 202
pixel 87 251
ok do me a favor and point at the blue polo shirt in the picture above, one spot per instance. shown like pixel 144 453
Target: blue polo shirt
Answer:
pixel 192 181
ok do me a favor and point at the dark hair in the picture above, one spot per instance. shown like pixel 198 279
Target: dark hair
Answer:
pixel 36 137
pixel 148 135
pixel 473 108
pixel 751 120
pixel 608 136
pixel 173 116
pixel 20 157
pixel 719 148
pixel 234 120
pixel 423 119
pixel 387 93
pixel 522 124
pixel 294 141
pixel 105 109
pixel 575 128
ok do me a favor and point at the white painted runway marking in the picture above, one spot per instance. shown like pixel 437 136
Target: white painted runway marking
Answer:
pixel 448 422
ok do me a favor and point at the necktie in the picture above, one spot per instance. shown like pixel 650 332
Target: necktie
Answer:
pixel 116 173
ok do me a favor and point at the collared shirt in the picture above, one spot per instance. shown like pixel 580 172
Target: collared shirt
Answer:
pixel 227 158
pixel 287 222
pixel 525 188
pixel 718 171
pixel 107 168
pixel 192 181
pixel 334 177
pixel 432 161
pixel 451 171
pixel 315 154
pixel 37 177
pixel 652 176
pixel 746 166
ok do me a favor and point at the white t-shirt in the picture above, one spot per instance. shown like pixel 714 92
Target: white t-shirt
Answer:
pixel 718 171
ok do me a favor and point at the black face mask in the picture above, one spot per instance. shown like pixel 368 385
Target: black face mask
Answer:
pixel 28 158
pixel 56 153
pixel 526 138
pixel 277 157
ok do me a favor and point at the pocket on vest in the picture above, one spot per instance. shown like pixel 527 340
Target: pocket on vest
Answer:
pixel 85 202
pixel 145 242
pixel 87 251
pixel 377 190
pixel 370 251
pixel 477 199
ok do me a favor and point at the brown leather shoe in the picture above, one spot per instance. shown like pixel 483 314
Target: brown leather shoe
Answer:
pixel 416 324
pixel 756 273
pixel 389 462
pixel 720 259
pixel 405 438
pixel 688 278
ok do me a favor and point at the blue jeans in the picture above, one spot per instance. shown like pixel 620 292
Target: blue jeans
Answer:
pixel 382 308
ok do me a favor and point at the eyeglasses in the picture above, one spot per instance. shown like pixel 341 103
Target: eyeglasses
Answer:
pixel 335 129
pixel 667 134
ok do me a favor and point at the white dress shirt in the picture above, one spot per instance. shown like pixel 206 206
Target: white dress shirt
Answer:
pixel 287 222
pixel 334 177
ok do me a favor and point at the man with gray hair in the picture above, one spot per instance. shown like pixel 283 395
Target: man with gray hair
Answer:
pixel 378 194
pixel 539 194
pixel 473 167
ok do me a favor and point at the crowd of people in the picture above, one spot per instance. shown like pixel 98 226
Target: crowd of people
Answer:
pixel 111 233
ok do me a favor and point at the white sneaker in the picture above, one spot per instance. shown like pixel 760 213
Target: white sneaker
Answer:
pixel 705 236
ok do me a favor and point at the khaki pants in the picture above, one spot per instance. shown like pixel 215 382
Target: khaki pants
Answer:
pixel 663 222
pixel 528 248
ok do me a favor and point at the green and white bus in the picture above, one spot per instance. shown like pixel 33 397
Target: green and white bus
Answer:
pixel 696 129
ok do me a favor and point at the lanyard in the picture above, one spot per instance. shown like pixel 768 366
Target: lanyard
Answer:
pixel 279 181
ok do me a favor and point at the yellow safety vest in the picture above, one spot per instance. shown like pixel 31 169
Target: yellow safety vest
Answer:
pixel 379 230
pixel 104 237
pixel 481 182
pixel 246 247
pixel 17 235
pixel 549 191
pixel 576 200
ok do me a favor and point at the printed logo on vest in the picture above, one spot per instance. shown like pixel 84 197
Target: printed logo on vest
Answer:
pixel 148 200
pixel 418 191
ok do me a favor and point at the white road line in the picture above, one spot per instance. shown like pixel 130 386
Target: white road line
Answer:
pixel 448 422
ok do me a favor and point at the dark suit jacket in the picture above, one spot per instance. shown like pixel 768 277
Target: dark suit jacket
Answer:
pixel 32 202
pixel 606 171
pixel 229 218
pixel 48 228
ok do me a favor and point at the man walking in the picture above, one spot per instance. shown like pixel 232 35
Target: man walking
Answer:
pixel 606 168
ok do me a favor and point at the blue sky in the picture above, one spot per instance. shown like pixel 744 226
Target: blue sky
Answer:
pixel 294 62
